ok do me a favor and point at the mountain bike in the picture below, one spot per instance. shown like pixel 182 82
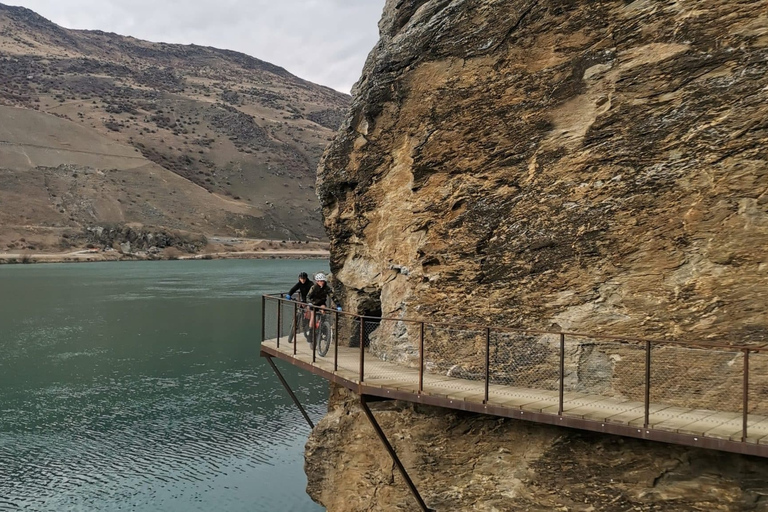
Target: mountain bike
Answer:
pixel 323 332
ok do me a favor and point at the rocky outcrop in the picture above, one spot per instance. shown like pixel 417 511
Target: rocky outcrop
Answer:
pixel 462 462
pixel 583 166
pixel 599 165
pixel 130 239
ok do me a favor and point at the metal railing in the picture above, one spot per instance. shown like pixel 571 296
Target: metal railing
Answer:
pixel 692 375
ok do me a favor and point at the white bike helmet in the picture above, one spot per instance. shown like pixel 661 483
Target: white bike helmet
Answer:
pixel 320 277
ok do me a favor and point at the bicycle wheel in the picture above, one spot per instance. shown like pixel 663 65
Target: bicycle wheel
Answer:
pixel 295 325
pixel 324 339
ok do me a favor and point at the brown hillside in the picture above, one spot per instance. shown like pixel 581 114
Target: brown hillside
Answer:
pixel 106 128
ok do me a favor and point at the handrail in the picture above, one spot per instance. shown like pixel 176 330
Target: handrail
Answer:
pixel 607 337
pixel 509 366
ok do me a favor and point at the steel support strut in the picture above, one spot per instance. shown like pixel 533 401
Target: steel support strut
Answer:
pixel 290 391
pixel 395 459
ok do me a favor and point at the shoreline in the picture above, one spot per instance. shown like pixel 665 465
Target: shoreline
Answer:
pixel 92 257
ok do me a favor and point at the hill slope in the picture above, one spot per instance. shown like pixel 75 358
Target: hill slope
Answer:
pixel 183 137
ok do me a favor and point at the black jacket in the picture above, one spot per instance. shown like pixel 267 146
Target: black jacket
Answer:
pixel 318 296
pixel 302 288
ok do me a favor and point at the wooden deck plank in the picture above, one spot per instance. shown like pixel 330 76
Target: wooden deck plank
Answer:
pixel 468 396
pixel 573 402
pixel 673 418
pixel 519 398
pixel 601 409
pixel 635 416
pixel 702 426
pixel 757 428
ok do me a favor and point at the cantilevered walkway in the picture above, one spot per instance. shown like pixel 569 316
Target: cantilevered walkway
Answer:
pixel 707 395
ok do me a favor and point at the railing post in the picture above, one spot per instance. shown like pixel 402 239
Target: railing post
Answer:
pixel 296 324
pixel 263 317
pixel 421 358
pixel 279 326
pixel 487 363
pixel 362 348
pixel 318 320
pixel 647 383
pixel 745 405
pixel 296 339
pixel 562 374
pixel 336 343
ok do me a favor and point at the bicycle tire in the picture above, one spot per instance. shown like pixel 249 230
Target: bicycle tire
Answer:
pixel 324 340
pixel 294 327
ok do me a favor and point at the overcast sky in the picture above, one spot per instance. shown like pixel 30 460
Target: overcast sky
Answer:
pixel 323 41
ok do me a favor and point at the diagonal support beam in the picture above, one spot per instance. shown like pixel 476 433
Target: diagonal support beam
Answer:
pixel 364 399
pixel 288 388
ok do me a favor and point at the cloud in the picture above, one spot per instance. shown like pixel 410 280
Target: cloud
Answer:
pixel 324 41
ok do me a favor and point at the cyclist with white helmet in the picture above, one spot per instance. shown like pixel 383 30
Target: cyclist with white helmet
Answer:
pixel 318 296
pixel 320 291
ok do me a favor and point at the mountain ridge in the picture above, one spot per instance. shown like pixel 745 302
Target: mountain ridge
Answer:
pixel 247 131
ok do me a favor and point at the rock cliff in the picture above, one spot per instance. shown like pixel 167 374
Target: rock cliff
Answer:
pixel 601 165
pixel 592 166
pixel 462 462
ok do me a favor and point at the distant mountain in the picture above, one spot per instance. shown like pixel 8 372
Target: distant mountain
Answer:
pixel 99 128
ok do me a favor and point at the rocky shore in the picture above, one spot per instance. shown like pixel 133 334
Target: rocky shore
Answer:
pixel 165 249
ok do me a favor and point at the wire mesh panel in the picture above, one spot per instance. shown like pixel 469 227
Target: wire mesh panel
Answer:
pixel 758 383
pixel 270 318
pixel 396 341
pixel 454 352
pixel 286 320
pixel 348 335
pixel 697 378
pixel 613 369
pixel 392 355
pixel 524 360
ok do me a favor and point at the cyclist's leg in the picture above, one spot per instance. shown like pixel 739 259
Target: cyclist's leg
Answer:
pixel 319 323
pixel 311 321
pixel 304 320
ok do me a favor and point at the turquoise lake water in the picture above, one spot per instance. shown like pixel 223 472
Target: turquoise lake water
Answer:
pixel 139 386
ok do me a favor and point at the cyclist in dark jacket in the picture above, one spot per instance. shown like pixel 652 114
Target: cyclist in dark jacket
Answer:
pixel 302 286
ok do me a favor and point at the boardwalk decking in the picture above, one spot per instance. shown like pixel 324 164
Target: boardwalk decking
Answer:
pixel 694 427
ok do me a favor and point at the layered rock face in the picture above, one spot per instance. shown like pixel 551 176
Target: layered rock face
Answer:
pixel 599 165
pixel 589 166
pixel 463 462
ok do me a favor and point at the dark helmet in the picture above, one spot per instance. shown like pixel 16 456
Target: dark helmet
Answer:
pixel 303 275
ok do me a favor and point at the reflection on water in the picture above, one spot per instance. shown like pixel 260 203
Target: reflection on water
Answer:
pixel 139 386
